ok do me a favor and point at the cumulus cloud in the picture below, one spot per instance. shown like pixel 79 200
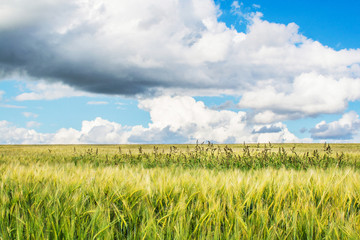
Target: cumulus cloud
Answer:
pixel 194 120
pixel 97 131
pixel 268 116
pixel 310 94
pixel 178 119
pixel 343 129
pixel 10 134
pixel 143 47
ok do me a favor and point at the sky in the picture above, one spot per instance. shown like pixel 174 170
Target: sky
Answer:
pixel 169 71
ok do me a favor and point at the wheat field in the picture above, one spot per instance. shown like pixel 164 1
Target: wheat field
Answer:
pixel 180 192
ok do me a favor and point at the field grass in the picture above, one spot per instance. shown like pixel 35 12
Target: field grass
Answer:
pixel 245 157
pixel 200 191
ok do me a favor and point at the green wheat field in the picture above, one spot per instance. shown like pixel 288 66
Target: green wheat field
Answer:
pixel 202 191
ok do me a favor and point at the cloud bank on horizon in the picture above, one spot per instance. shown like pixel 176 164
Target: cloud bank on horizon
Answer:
pixel 151 50
pixel 185 121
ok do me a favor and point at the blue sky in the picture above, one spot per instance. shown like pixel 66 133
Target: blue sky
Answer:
pixel 176 72
pixel 333 23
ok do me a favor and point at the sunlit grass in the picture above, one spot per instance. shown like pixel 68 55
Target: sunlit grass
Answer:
pixel 73 192
pixel 210 156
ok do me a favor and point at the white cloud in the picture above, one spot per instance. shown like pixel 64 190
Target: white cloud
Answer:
pixel 193 119
pixel 49 91
pixel 66 136
pixel 343 129
pixel 97 103
pixel 120 105
pixel 97 131
pixel 173 120
pixel 268 116
pixel 10 134
pixel 181 119
pixel 1 94
pixel 310 94
pixel 236 8
pixel 30 115
pixel 10 106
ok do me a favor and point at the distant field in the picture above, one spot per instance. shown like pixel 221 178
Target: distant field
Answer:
pixel 349 148
pixel 204 191
pixel 211 156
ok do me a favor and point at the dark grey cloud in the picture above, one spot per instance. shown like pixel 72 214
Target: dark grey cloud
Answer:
pixel 37 56
pixel 81 52
pixel 40 56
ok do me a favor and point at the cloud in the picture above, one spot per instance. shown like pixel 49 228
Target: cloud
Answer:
pixel 30 115
pixel 97 103
pixel 49 91
pixel 146 47
pixel 343 129
pixel 11 134
pixel 244 13
pixel 10 106
pixel 267 116
pixel 178 119
pixel 236 8
pixel 158 135
pixel 120 105
pixel 226 105
pixel 66 136
pixel 310 94
pixel 2 93
pixel 268 129
pixel 194 121
pixel 96 131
